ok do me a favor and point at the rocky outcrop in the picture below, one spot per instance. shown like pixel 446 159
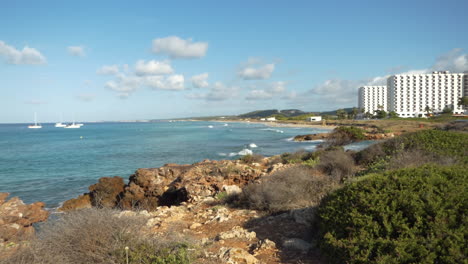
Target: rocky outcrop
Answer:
pixel 17 218
pixel 310 137
pixel 169 185
pixel 105 193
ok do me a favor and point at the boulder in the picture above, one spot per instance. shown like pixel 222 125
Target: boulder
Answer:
pixel 236 256
pixel 17 218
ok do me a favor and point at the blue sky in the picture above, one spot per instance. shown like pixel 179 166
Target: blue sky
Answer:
pixel 192 58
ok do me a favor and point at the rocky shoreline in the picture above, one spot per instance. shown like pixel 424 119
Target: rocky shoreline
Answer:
pixel 190 200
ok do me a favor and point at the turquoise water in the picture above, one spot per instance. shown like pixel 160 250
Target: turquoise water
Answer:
pixel 55 164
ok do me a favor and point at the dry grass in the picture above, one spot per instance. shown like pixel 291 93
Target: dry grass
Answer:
pixel 97 236
pixel 292 188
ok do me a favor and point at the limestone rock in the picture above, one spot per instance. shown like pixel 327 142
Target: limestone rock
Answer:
pixel 237 232
pixel 236 256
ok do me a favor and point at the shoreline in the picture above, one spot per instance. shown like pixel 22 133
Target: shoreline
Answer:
pixel 277 124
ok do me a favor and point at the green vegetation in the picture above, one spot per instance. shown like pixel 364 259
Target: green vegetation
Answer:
pixel 416 149
pixel 415 215
pixel 343 135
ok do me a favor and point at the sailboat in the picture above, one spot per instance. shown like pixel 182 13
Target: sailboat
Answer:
pixel 60 124
pixel 73 125
pixel 35 123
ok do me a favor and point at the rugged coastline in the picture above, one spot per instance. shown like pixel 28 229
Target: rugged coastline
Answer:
pixel 236 211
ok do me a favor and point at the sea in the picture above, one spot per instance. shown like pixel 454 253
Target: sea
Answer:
pixel 53 164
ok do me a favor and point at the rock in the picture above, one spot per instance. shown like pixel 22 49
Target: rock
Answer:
pixel 264 244
pixel 232 189
pixel 169 185
pixel 81 202
pixel 304 216
pixel 237 232
pixel 236 256
pixel 195 226
pixel 17 218
pixel 310 137
pixel 297 244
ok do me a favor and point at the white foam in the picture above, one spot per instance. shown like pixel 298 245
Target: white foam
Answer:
pixel 252 145
pixel 222 154
pixel 245 152
pixel 232 154
pixel 272 129
pixel 210 126
pixel 225 124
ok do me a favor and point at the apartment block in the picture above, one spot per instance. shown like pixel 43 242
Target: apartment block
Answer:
pixel 372 97
pixel 410 94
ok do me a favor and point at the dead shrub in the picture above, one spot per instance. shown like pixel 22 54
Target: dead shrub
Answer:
pixel 98 236
pixel 291 188
pixel 338 164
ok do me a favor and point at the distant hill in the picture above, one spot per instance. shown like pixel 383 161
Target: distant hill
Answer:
pixel 334 111
pixel 272 112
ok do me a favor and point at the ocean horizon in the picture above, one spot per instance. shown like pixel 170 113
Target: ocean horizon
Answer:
pixel 55 164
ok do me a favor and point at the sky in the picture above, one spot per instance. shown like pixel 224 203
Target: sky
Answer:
pixel 131 60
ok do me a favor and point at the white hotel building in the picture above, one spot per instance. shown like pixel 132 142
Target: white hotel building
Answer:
pixel 371 97
pixel 410 94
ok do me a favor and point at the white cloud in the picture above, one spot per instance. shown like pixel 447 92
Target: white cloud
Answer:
pixel 153 67
pixel 108 70
pixel 278 87
pixel 78 51
pixel 177 48
pixel 259 95
pixel 200 80
pixel 26 56
pixel 173 82
pixel 86 97
pixel 124 84
pixel 219 92
pixel 452 61
pixel 261 73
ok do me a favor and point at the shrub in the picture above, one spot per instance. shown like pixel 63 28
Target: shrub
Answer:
pixel 344 135
pixel 297 157
pixel 254 158
pixel 291 188
pixel 415 215
pixel 337 164
pixel 98 236
pixel 438 144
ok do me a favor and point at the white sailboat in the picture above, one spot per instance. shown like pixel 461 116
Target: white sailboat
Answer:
pixel 35 126
pixel 60 124
pixel 73 125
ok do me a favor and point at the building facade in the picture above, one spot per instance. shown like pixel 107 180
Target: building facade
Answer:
pixel 411 95
pixel 372 98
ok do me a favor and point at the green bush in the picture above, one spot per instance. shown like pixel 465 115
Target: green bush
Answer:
pixel 297 157
pixel 344 135
pixel 416 215
pixel 428 146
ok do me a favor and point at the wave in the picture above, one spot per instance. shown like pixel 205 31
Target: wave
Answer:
pixel 245 152
pixel 273 130
pixel 252 145
pixel 226 125
pixel 210 126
